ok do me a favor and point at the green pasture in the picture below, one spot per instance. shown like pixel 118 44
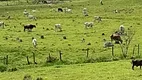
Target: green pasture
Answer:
pixel 73 48
pixel 116 70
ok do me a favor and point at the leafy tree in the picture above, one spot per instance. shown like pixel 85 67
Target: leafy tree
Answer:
pixel 127 38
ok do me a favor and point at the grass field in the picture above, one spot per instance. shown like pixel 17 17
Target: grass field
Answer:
pixel 73 48
pixel 116 70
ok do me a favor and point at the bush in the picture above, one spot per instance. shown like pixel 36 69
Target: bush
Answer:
pixel 12 69
pixel 27 77
pixel 3 67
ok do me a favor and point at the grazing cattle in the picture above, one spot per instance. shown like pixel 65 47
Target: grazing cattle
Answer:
pixel 121 29
pixel 31 16
pixel 107 44
pixel 97 18
pixel 29 27
pixel 116 11
pixel 58 27
pixel 34 41
pixel 136 63
pixel 88 24
pixel 116 37
pixel 33 10
pixel 68 10
pixel 2 24
pixel 85 12
pixel 60 10
pixel 103 34
pixel 83 40
pixel 42 37
pixel 64 37
pixel 101 2
pixel 25 12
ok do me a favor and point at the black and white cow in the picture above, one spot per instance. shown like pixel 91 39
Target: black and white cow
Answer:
pixel 29 27
pixel 58 27
pixel 88 24
pixel 136 63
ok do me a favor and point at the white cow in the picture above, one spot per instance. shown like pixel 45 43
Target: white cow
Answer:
pixel 121 29
pixel 107 44
pixel 2 24
pixel 85 12
pixel 88 24
pixel 97 18
pixel 58 27
pixel 34 41
pixel 67 10
pixel 25 12
pixel 33 10
pixel 32 17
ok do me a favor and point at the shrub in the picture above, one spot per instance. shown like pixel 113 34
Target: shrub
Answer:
pixel 3 67
pixel 27 77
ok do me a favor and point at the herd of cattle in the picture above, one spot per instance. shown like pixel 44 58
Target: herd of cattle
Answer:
pixel 58 28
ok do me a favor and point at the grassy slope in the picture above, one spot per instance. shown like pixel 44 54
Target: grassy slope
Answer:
pixel 73 30
pixel 117 70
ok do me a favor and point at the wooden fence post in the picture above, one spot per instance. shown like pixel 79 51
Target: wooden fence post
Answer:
pixel 28 60
pixel 87 52
pixel 112 51
pixel 34 58
pixel 60 55
pixel 6 60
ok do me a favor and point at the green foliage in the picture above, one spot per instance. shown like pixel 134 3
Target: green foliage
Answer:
pixel 3 67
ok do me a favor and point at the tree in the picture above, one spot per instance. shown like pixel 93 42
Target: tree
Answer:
pixel 127 38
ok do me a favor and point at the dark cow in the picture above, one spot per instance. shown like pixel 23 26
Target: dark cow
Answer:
pixel 29 27
pixel 116 37
pixel 136 63
pixel 60 10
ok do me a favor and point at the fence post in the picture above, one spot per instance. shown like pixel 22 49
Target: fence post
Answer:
pixel 6 59
pixel 34 58
pixel 28 60
pixel 112 50
pixel 87 52
pixel 60 55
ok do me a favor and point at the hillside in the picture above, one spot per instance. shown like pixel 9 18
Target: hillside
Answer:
pixel 117 70
pixel 17 44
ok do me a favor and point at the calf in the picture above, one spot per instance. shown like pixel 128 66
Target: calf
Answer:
pixel 136 63
pixel 2 24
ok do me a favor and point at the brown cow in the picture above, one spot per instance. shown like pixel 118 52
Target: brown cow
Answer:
pixel 116 37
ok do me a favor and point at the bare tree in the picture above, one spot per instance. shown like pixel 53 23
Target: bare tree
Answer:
pixel 127 38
